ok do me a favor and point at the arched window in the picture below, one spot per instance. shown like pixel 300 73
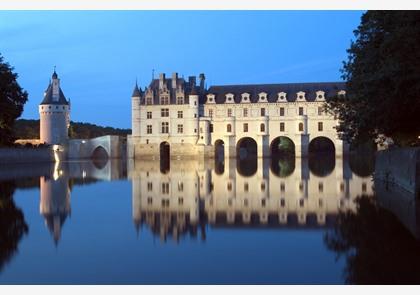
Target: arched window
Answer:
pixel 262 127
pixel 301 127
pixel 229 128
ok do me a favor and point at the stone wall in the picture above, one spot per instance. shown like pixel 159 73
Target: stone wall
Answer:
pixel 401 167
pixel 26 155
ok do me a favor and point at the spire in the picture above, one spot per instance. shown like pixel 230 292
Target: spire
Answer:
pixel 54 75
pixel 136 91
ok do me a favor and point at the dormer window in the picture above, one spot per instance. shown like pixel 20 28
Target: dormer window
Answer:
pixel 341 93
pixel 281 97
pixel 301 96
pixel 149 100
pixel 262 97
pixel 210 98
pixel 320 96
pixel 229 98
pixel 245 97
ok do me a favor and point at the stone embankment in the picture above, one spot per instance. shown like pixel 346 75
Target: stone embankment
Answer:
pixel 26 155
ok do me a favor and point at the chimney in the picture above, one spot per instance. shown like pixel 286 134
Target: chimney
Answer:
pixel 161 80
pixel 191 81
pixel 202 81
pixel 174 80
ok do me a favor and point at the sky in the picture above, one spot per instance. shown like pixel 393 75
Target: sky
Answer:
pixel 100 54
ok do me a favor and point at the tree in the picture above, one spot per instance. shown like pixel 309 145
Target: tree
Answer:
pixel 382 77
pixel 12 100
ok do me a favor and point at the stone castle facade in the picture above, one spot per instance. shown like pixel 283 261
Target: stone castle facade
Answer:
pixel 184 118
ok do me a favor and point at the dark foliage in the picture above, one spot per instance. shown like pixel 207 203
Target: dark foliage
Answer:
pixel 383 79
pixel 29 129
pixel 12 100
pixel 378 249
pixel 12 223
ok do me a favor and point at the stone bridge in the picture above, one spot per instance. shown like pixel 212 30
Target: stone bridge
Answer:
pixel 109 146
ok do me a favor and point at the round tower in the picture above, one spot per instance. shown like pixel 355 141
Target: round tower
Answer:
pixel 135 111
pixel 54 114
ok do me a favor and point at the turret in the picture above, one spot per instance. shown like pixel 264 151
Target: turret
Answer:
pixel 54 113
pixel 135 111
pixel 202 81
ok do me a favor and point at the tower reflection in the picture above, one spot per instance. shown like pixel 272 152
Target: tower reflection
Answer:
pixel 277 192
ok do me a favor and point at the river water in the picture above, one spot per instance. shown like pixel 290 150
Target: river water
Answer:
pixel 250 221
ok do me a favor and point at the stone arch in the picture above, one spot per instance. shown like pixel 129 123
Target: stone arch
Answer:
pixel 99 157
pixel 246 147
pixel 321 144
pixel 321 151
pixel 282 145
pixel 246 156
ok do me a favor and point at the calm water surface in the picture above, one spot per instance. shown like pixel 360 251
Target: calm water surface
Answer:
pixel 271 221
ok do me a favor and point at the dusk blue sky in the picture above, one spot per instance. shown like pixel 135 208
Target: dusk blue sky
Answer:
pixel 99 54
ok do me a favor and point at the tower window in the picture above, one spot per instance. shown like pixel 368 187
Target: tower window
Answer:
pixel 165 127
pixel 164 112
pixel 180 100
pixel 180 128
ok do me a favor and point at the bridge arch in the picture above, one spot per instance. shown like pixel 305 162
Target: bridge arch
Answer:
pixel 99 157
pixel 282 145
pixel 321 144
pixel 246 147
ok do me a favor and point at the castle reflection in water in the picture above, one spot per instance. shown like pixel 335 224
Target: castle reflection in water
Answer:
pixel 290 192
pixel 183 197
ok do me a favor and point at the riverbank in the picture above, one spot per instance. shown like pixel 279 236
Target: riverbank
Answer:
pixel 399 167
pixel 26 155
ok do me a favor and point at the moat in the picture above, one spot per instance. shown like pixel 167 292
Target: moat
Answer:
pixel 286 220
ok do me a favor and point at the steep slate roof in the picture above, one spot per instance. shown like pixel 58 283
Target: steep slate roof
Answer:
pixel 272 90
pixel 154 86
pixel 48 99
pixel 136 92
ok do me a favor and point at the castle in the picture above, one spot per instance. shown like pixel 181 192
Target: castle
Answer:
pixel 178 118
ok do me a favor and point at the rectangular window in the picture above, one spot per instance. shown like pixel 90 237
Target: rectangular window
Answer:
pixel 245 127
pixel 149 129
pixel 229 112
pixel 245 112
pixel 149 100
pixel 180 186
pixel 180 100
pixel 320 187
pixel 282 126
pixel 300 111
pixel 180 128
pixel 320 126
pixel 282 187
pixel 165 127
pixel 211 128
pixel 164 112
pixel 165 188
pixel 164 100
pixel 282 202
pixel 180 115
pixel 149 186
pixel 320 111
pixel 149 115
pixel 301 127
pixel 210 113
pixel 180 201
pixel 281 111
pixel 262 112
